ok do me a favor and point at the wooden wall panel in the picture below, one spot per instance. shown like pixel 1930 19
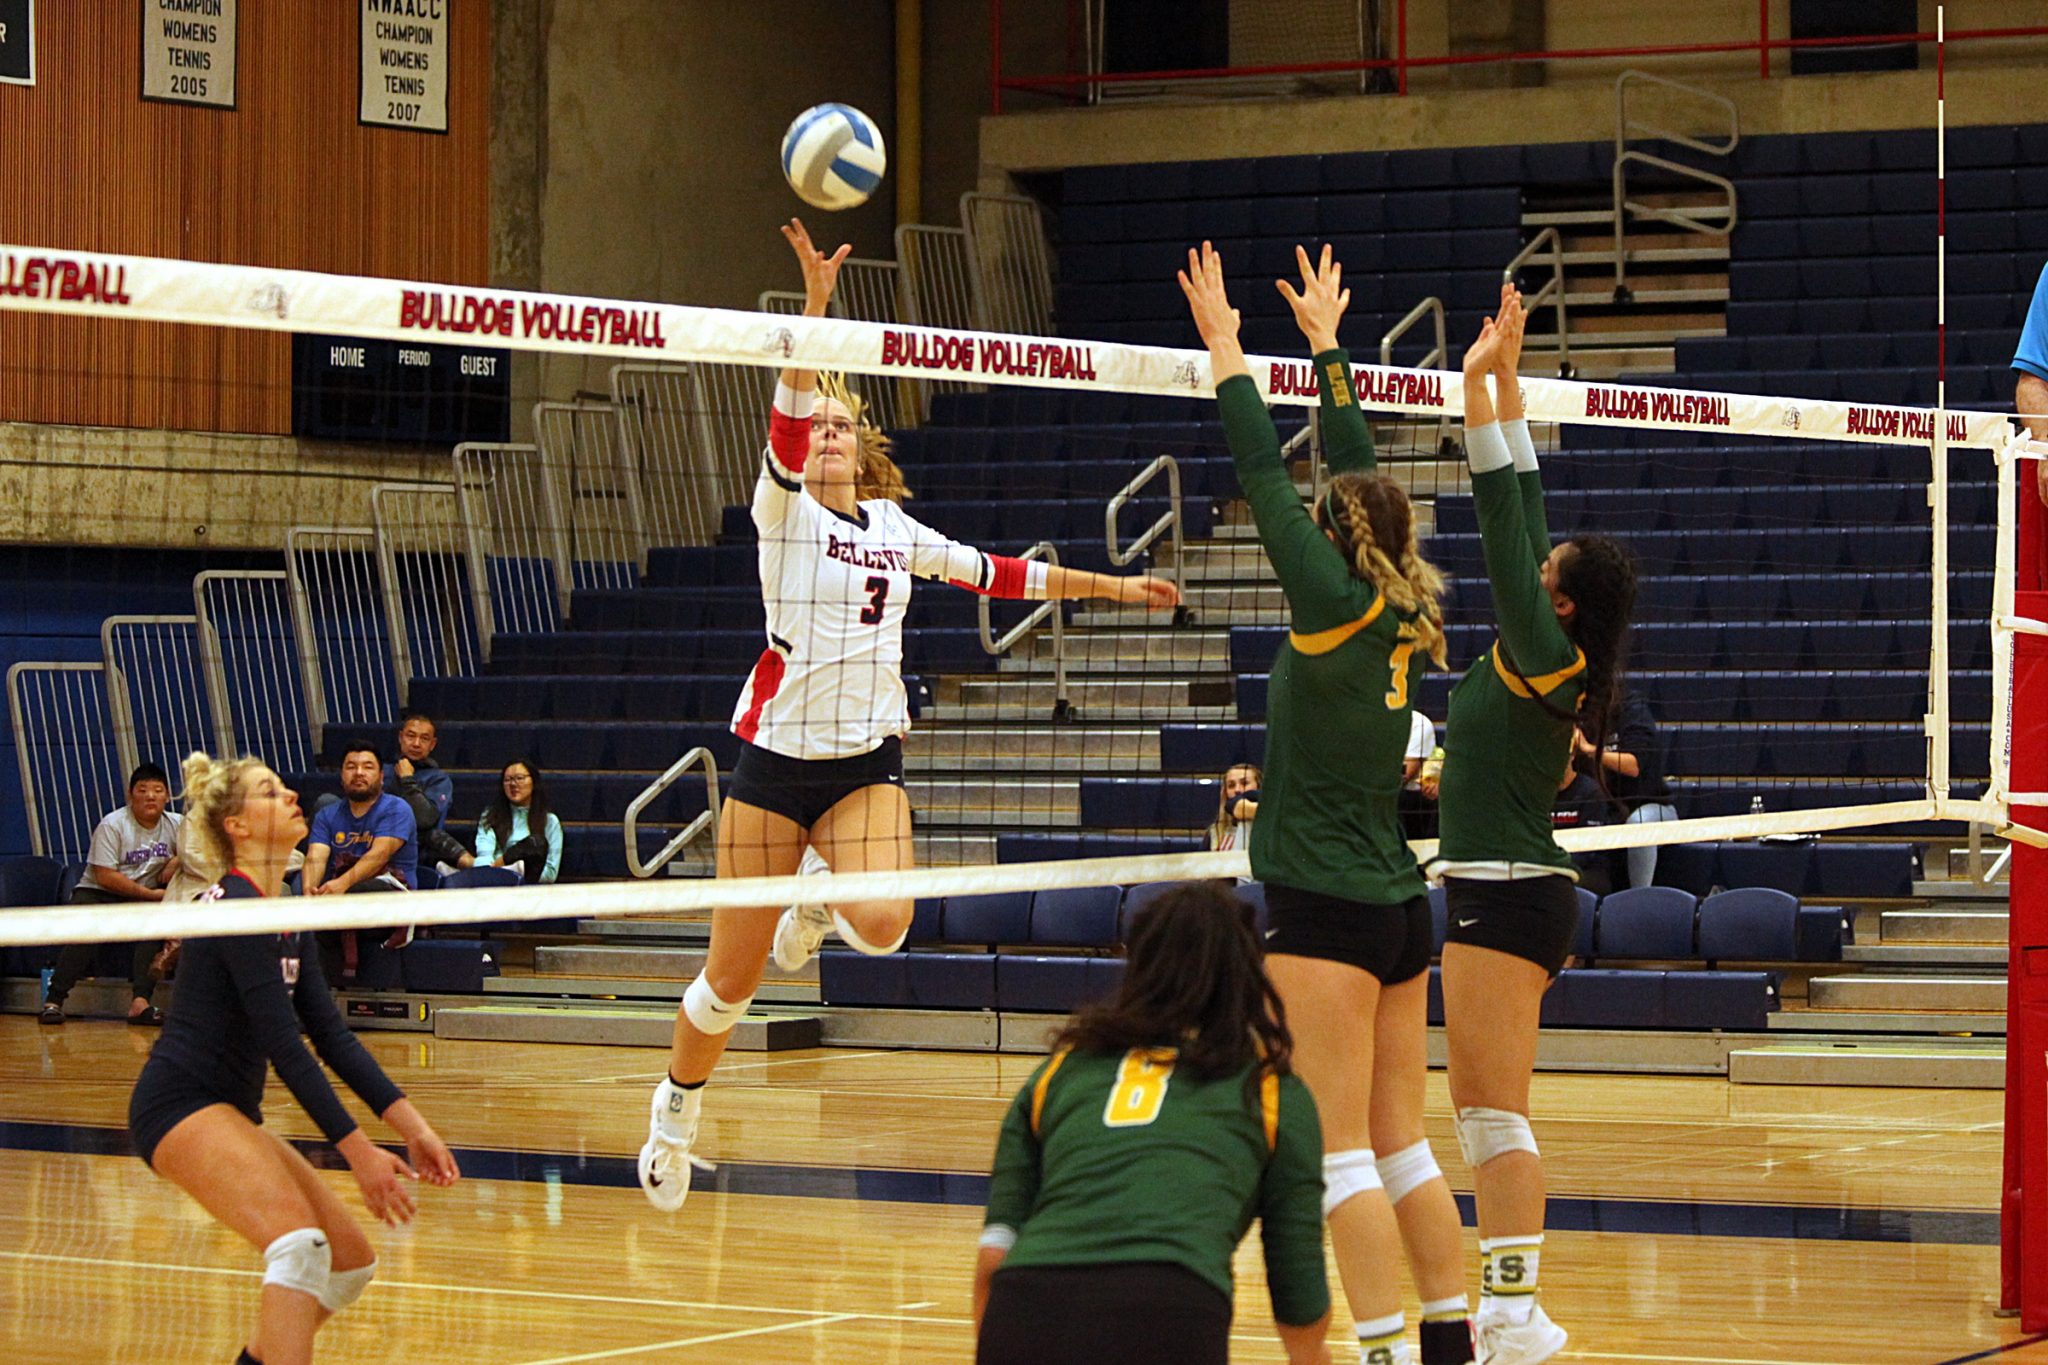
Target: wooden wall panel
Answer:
pixel 289 178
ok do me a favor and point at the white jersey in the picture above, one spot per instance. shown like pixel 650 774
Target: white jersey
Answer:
pixel 836 588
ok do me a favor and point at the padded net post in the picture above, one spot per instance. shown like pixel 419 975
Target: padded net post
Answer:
pixel 2023 1279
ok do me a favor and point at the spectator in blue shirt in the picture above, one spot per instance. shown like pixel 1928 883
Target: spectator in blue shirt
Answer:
pixel 2030 393
pixel 367 841
pixel 518 829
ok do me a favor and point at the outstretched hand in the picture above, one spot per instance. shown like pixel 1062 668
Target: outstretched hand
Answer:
pixel 821 272
pixel 1511 321
pixel 1320 305
pixel 1208 300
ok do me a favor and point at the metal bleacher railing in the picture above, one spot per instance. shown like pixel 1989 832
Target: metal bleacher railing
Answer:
pixel 156 695
pixel 1632 129
pixel 64 743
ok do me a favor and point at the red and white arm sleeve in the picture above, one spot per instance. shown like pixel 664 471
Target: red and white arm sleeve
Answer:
pixel 934 556
pixel 789 448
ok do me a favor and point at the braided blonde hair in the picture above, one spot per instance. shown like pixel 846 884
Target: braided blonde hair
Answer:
pixel 879 476
pixel 1370 512
pixel 213 793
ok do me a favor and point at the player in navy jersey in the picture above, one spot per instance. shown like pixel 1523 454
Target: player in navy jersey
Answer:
pixel 822 716
pixel 196 1114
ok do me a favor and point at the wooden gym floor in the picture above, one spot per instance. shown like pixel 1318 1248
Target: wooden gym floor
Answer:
pixel 1692 1221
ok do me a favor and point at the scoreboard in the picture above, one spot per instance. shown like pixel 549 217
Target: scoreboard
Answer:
pixel 402 392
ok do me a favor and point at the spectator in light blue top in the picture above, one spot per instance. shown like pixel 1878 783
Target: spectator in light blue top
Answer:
pixel 2030 393
pixel 507 837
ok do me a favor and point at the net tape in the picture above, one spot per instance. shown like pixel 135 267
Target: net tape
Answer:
pixel 153 289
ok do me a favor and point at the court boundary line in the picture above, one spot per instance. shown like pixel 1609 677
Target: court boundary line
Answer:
pixel 2032 1340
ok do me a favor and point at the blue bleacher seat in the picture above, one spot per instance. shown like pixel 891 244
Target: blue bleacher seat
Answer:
pixel 1691 868
pixel 1253 894
pixel 1861 871
pixel 926 921
pixel 1082 916
pixel 1820 933
pixel 1778 864
pixel 999 917
pixel 850 978
pixel 1583 940
pixel 1439 918
pixel 1045 985
pixel 1752 924
pixel 30 881
pixel 448 966
pixel 1653 923
pixel 475 878
pixel 951 981
pixel 1737 1001
pixel 1606 997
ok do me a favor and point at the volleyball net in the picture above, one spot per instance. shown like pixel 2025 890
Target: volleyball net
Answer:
pixel 527 515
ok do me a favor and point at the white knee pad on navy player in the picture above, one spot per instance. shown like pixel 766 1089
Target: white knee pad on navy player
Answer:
pixel 1408 1170
pixel 861 945
pixel 344 1287
pixel 300 1260
pixel 1484 1134
pixel 1346 1175
pixel 702 1007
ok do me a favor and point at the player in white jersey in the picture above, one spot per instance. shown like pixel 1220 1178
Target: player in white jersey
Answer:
pixel 823 713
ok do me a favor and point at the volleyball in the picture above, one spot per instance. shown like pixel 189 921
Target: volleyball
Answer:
pixel 833 156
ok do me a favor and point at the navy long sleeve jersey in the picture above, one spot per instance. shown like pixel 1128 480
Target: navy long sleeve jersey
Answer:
pixel 239 1005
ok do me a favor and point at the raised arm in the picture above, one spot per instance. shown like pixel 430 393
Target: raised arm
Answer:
pixel 1522 608
pixel 781 482
pixel 1291 1226
pixel 1320 589
pixel 940 558
pixel 821 276
pixel 1318 310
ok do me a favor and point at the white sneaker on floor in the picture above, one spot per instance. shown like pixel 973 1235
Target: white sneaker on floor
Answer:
pixel 665 1159
pixel 1519 1343
pixel 803 929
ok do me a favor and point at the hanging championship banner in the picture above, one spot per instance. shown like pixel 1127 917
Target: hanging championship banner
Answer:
pixel 17 42
pixel 404 64
pixel 188 51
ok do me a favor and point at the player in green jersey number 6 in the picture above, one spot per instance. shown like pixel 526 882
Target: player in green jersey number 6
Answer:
pixel 1563 616
pixel 1350 942
pixel 1132 1163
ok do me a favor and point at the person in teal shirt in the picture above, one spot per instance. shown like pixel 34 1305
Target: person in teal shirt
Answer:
pixel 518 828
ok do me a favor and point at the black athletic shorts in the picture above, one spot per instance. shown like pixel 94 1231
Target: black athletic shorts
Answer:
pixel 1533 918
pixel 1393 942
pixel 164 1098
pixel 803 789
pixel 1131 1314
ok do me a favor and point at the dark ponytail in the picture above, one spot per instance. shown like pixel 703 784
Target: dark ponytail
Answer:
pixel 1194 980
pixel 1599 575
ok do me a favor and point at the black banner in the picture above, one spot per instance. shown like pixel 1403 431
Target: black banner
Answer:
pixel 18 42
pixel 404 392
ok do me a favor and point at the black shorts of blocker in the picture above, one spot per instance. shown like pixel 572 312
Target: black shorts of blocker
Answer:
pixel 1533 918
pixel 164 1098
pixel 1393 942
pixel 1135 1314
pixel 803 789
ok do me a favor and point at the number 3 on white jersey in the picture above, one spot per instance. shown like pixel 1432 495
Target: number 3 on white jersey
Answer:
pixel 1140 1089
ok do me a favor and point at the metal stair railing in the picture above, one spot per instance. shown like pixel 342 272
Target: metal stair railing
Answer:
pixel 707 821
pixel 1169 520
pixel 1713 219
pixel 1552 292
pixel 1062 706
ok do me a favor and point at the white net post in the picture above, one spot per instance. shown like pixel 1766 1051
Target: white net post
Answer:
pixel 64 745
pixel 156 690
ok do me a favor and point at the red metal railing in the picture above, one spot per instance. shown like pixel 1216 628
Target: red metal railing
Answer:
pixel 1401 63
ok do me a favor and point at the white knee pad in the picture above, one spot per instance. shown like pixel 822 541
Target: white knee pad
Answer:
pixel 861 945
pixel 1346 1175
pixel 1408 1170
pixel 702 1007
pixel 301 1260
pixel 344 1287
pixel 1484 1134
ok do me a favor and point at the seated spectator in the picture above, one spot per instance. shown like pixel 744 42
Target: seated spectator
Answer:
pixel 133 854
pixel 1581 804
pixel 518 830
pixel 1632 765
pixel 364 842
pixel 1237 805
pixel 1418 799
pixel 425 786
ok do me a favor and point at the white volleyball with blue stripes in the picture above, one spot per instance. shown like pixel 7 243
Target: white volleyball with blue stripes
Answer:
pixel 833 156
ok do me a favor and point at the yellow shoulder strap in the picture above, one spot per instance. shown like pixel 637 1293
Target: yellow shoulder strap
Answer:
pixel 1269 1108
pixel 1540 686
pixel 1044 1083
pixel 1323 641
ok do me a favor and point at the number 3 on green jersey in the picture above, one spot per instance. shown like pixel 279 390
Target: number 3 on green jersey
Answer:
pixel 1397 695
pixel 1140 1088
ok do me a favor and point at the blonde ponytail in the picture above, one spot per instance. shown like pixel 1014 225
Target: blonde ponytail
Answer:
pixel 1414 587
pixel 879 476
pixel 213 793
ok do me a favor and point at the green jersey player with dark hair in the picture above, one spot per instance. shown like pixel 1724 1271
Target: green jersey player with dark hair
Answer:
pixel 1351 938
pixel 1563 615
pixel 1133 1161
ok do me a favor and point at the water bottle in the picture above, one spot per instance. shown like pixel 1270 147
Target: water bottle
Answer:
pixel 1756 805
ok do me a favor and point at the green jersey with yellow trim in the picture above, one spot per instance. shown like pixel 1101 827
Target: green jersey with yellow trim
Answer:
pixel 1338 703
pixel 1504 754
pixel 1118 1158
